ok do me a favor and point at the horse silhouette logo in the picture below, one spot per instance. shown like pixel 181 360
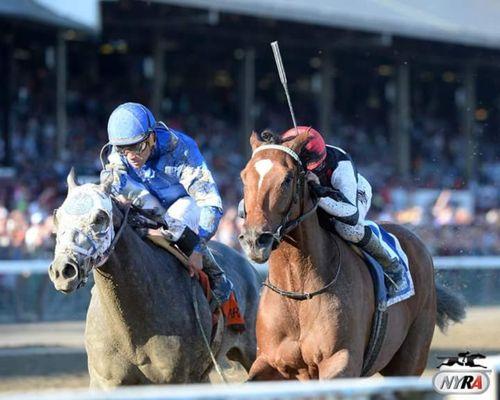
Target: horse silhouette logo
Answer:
pixel 465 359
pixel 464 377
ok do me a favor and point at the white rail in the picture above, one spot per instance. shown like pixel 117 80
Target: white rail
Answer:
pixel 467 262
pixel 338 389
pixel 441 263
pixel 24 266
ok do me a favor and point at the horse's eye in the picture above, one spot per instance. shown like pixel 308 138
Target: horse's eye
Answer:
pixel 287 180
pixel 101 222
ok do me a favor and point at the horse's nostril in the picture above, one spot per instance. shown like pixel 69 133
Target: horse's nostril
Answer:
pixel 264 239
pixel 241 237
pixel 69 271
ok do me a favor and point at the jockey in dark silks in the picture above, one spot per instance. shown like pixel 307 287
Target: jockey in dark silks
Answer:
pixel 162 170
pixel 349 202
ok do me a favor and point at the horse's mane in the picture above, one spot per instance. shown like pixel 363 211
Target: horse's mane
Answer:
pixel 135 235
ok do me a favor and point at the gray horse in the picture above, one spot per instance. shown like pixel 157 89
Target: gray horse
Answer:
pixel 141 325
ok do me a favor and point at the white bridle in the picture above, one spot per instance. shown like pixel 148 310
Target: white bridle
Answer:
pixel 76 234
pixel 287 150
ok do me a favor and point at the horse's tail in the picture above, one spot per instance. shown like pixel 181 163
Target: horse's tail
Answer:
pixel 450 307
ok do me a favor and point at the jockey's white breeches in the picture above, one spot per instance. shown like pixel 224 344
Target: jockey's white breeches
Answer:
pixel 186 211
pixel 355 233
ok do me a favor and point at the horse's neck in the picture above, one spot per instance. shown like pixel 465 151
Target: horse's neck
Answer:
pixel 124 284
pixel 304 259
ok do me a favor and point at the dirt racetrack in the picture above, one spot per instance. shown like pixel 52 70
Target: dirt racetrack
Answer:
pixel 51 355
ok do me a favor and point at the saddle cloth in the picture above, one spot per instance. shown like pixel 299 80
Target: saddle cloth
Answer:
pixel 391 243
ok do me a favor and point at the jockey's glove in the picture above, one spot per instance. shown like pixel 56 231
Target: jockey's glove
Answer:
pixel 116 167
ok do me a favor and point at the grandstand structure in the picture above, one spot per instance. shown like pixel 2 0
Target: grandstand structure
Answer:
pixel 385 60
pixel 33 34
pixel 331 51
pixel 367 73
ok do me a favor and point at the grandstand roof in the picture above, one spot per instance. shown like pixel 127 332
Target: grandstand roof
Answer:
pixel 468 22
pixel 32 11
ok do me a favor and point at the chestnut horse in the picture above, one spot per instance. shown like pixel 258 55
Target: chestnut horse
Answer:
pixel 325 335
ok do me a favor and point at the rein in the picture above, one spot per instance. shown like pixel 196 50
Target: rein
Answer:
pixel 287 226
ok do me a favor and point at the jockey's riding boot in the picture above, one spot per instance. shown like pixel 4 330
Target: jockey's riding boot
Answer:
pixel 223 297
pixel 222 286
pixel 393 267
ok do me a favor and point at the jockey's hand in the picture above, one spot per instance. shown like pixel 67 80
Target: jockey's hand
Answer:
pixel 123 200
pixel 155 232
pixel 323 191
pixel 312 177
pixel 195 264
pixel 314 184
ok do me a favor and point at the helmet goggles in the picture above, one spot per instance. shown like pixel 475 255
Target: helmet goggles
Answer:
pixel 136 148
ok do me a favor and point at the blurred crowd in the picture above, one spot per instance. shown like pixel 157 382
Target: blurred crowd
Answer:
pixel 30 194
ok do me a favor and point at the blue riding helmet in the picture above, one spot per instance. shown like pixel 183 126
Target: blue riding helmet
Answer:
pixel 130 123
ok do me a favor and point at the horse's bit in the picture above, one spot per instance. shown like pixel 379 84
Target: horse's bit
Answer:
pixel 286 226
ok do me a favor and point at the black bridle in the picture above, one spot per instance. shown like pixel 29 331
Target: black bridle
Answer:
pixel 287 225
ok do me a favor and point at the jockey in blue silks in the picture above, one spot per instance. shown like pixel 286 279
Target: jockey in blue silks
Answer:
pixel 162 170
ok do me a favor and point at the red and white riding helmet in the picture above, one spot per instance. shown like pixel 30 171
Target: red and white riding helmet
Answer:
pixel 314 152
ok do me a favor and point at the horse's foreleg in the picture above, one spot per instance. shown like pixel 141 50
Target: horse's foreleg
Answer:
pixel 340 365
pixel 262 371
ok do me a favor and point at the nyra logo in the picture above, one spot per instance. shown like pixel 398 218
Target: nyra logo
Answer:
pixel 461 375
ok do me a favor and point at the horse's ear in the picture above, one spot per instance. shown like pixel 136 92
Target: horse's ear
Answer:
pixel 270 137
pixel 71 180
pixel 300 141
pixel 106 181
pixel 255 140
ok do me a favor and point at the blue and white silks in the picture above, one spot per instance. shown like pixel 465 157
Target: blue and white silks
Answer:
pixel 175 169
